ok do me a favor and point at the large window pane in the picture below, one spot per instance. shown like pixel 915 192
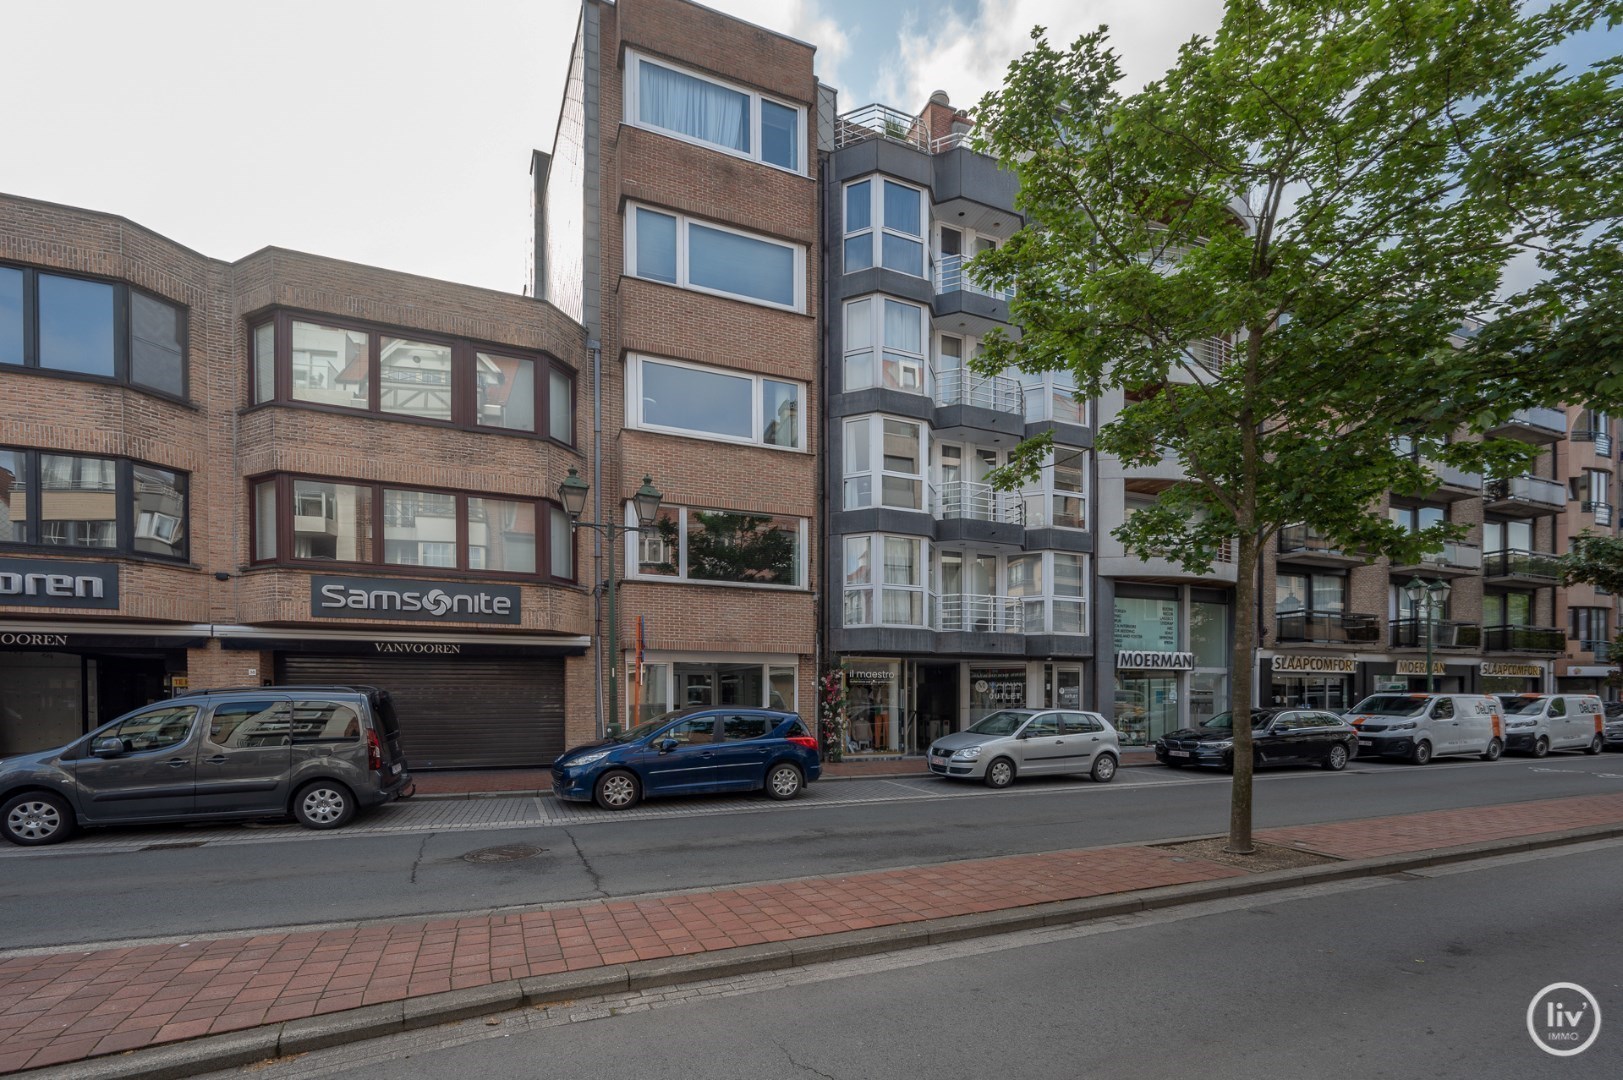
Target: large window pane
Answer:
pixel 859 370
pixel 659 547
pixel 858 465
pixel 755 549
pixel 740 265
pixel 858 252
pixel 503 533
pixel 13 497
pixel 780 409
pixel 159 511
pixel 75 325
pixel 264 362
pixel 11 315
pixel 781 688
pixel 561 544
pixel 780 135
pixel 414 379
pixel 693 107
pixel 419 528
pixel 904 327
pixel 1068 472
pixel 265 520
pixel 1209 634
pixel 561 406
pixel 331 366
pixel 901 254
pixel 332 521
pixel 656 246
pixel 156 349
pixel 859 207
pixel 902 208
pixel 693 400
pixel 505 389
pixel 78 501
pixel 901 456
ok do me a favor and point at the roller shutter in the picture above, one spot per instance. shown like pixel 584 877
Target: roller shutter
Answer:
pixel 457 713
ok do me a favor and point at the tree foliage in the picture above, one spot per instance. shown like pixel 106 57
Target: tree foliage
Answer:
pixel 1266 258
pixel 1594 559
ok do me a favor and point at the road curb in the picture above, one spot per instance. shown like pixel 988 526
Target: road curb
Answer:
pixel 290 1037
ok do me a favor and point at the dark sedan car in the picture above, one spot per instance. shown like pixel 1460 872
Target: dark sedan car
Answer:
pixel 692 752
pixel 1279 737
pixel 1614 725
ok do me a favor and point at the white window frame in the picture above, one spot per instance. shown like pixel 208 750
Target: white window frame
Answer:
pixel 876 471
pixel 633 550
pixel 1045 491
pixel 879 349
pixel 1040 387
pixel 877 585
pixel 878 227
pixel 668 661
pixel 683 222
pixel 633 113
pixel 633 407
pixel 1039 605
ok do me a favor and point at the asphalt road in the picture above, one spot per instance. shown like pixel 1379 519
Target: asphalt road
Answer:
pixel 1417 975
pixel 111 890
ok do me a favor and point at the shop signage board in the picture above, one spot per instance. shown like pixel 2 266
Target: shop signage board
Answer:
pixel 58 584
pixel 1525 671
pixel 869 676
pixel 1418 667
pixel 416 601
pixel 1143 660
pixel 1577 671
pixel 1316 665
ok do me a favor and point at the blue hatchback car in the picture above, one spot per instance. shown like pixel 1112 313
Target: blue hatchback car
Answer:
pixel 692 752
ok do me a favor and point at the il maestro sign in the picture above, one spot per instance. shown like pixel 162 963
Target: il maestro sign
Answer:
pixel 415 601
pixel 51 583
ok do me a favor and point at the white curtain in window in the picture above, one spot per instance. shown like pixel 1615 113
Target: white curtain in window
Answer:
pixel 693 107
pixel 903 327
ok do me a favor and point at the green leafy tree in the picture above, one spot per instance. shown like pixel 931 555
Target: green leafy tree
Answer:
pixel 1270 252
pixel 1594 559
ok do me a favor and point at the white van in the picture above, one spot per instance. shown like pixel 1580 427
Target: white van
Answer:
pixel 1538 723
pixel 1419 727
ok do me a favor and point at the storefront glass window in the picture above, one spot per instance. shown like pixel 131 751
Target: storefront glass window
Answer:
pixel 1150 625
pixel 1209 634
pixel 871 711
pixel 41 701
pixel 993 688
pixel 1208 695
pixel 781 688
pixel 650 696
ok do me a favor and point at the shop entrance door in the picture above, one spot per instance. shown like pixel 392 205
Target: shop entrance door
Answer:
pixel 937 704
pixel 1146 707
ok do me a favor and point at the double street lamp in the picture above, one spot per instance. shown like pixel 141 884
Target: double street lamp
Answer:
pixel 572 493
pixel 1430 596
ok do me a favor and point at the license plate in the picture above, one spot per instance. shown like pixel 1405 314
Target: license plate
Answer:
pixel 1177 753
pixel 394 770
pixel 1366 742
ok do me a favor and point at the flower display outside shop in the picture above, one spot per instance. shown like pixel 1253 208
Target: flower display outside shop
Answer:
pixel 831 713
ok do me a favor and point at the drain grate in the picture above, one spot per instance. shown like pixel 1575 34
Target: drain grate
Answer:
pixel 503 853
pixel 177 846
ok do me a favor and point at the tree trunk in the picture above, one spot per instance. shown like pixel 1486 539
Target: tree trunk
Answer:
pixel 1245 637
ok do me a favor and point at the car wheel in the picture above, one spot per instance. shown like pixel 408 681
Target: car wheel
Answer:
pixel 1336 759
pixel 618 790
pixel 1000 773
pixel 1104 769
pixel 784 781
pixel 1596 745
pixel 323 805
pixel 1421 753
pixel 37 817
pixel 1542 747
pixel 1495 748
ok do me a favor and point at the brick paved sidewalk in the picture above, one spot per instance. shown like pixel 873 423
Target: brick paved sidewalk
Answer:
pixel 65 1007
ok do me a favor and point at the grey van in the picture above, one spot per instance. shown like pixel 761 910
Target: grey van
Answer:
pixel 319 753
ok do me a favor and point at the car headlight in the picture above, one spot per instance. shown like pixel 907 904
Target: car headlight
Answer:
pixel 968 753
pixel 1222 744
pixel 591 758
pixel 1521 723
pixel 1407 725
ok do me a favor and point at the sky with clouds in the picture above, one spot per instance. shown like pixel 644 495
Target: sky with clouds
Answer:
pixel 398 132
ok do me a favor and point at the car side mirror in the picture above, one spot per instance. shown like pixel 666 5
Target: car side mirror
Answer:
pixel 667 745
pixel 108 746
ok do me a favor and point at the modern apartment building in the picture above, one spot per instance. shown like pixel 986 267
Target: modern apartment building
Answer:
pixel 677 218
pixel 947 599
pixel 1587 463
pixel 284 468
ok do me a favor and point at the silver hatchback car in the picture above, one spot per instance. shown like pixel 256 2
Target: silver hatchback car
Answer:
pixel 1029 742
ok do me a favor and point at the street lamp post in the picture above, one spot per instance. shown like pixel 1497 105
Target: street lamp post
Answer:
pixel 1430 595
pixel 572 493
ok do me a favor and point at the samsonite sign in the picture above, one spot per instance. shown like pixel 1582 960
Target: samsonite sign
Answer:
pixel 53 583
pixel 414 601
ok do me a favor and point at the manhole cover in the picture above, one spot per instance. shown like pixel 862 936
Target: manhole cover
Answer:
pixel 504 853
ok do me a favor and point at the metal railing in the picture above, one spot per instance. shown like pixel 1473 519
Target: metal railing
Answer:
pixel 1545 419
pixel 950 142
pixel 1601 510
pixel 1330 628
pixel 1546 639
pixel 1445 634
pixel 1301 540
pixel 877 121
pixel 1454 554
pixel 1213 354
pixel 1532 490
pixel 976 613
pixel 1453 475
pixel 960 386
pixel 1601 439
pixel 1514 562
pixel 1600 647
pixel 951 275
pixel 977 502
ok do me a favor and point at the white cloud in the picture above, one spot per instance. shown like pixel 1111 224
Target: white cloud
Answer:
pixel 968 57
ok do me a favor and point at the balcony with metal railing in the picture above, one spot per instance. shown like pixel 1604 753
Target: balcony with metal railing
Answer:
pixel 876 121
pixel 977 502
pixel 1411 633
pixel 1600 648
pixel 1524 496
pixel 1326 628
pixel 1601 510
pixel 1537 425
pixel 1524 639
pixel 1517 567
pixel 1455 559
pixel 960 386
pixel 1602 441
pixel 1300 544
pixel 978 613
pixel 952 275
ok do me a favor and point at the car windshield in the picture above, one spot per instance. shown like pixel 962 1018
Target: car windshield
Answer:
pixel 1392 705
pixel 647 728
pixel 1224 721
pixel 1515 706
pixel 1005 722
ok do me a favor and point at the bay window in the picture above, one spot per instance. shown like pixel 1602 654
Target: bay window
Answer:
pixel 894 590
pixel 884 226
pixel 1061 499
pixel 712 403
pixel 707 257
pixel 103 504
pixel 891 451
pixel 895 331
pixel 700 109
pixel 726 546
pixel 1052 590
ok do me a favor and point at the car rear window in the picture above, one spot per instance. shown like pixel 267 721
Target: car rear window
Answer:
pixel 325 722
pixel 383 709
